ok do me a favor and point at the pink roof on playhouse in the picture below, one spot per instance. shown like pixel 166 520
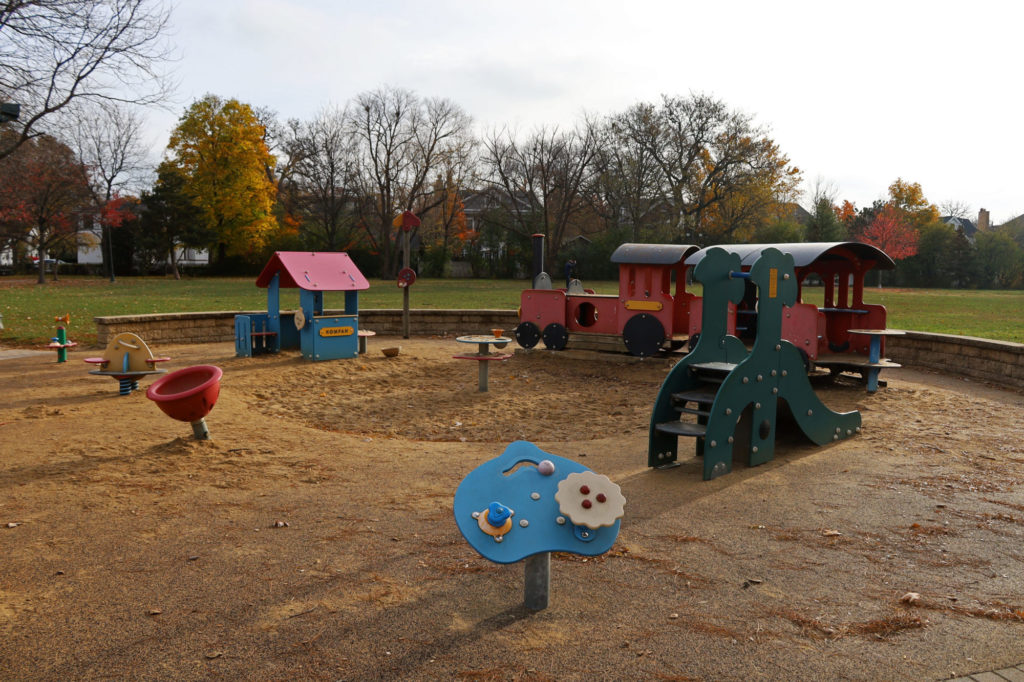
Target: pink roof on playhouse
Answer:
pixel 313 271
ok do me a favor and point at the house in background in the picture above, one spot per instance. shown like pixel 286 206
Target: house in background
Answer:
pixel 966 227
pixel 89 253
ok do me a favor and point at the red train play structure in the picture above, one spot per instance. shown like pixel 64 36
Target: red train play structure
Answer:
pixel 653 311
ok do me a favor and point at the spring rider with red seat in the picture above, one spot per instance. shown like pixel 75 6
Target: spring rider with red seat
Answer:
pixel 188 395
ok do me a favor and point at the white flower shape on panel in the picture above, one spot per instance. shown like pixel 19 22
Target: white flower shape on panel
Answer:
pixel 590 500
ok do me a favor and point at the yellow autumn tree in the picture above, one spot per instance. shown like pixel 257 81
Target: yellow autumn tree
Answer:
pixel 751 195
pixel 219 146
pixel 908 198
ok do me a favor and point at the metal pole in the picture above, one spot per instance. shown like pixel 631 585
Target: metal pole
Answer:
pixel 110 250
pixel 62 339
pixel 482 378
pixel 537 582
pixel 405 290
pixel 200 430
pixel 538 256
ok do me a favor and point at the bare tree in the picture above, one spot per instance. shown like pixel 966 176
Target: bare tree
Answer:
pixel 400 141
pixel 56 53
pixel 108 140
pixel 704 152
pixel 543 178
pixel 628 180
pixel 324 168
pixel 823 189
pixel 956 209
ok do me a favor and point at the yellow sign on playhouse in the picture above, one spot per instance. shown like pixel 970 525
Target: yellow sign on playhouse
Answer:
pixel 337 331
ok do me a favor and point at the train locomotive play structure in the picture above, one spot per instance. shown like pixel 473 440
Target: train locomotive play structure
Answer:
pixel 651 309
pixel 654 312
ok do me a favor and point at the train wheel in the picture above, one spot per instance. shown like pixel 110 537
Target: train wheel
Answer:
pixel 555 336
pixel 643 335
pixel 527 334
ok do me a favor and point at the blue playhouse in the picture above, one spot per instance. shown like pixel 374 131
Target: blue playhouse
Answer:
pixel 316 335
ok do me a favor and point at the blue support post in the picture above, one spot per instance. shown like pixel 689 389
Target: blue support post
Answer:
pixel 273 343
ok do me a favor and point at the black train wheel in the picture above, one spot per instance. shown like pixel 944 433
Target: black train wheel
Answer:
pixel 555 336
pixel 643 335
pixel 527 334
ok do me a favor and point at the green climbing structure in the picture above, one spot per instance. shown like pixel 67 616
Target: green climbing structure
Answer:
pixel 734 394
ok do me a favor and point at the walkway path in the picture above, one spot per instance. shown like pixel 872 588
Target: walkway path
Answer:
pixel 1014 674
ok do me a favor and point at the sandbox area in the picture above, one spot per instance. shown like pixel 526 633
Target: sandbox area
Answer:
pixel 312 538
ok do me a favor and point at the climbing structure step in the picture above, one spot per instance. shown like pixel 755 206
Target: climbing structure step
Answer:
pixel 679 428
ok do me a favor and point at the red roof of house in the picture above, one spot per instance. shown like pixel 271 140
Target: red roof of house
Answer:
pixel 313 271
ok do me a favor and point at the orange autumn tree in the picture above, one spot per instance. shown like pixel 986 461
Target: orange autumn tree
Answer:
pixel 846 213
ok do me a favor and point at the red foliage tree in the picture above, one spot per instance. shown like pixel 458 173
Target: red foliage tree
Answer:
pixel 891 234
pixel 43 188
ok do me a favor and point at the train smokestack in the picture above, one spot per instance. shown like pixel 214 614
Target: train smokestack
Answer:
pixel 538 257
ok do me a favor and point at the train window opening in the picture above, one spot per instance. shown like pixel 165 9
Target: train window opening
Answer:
pixel 586 314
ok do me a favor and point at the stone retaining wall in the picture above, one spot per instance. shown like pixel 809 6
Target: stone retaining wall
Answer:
pixel 999 362
pixel 210 327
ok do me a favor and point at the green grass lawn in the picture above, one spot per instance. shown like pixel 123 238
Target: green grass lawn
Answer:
pixel 29 309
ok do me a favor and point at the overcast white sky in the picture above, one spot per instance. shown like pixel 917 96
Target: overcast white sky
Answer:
pixel 857 94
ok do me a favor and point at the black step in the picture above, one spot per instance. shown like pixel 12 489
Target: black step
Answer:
pixel 702 394
pixel 681 428
pixel 712 371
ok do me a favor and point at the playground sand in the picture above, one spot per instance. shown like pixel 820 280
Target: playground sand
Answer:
pixel 312 537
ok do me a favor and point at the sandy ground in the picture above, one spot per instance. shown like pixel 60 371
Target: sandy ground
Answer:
pixel 313 537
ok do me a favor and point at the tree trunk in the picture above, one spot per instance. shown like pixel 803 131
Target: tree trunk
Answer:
pixel 41 274
pixel 174 263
